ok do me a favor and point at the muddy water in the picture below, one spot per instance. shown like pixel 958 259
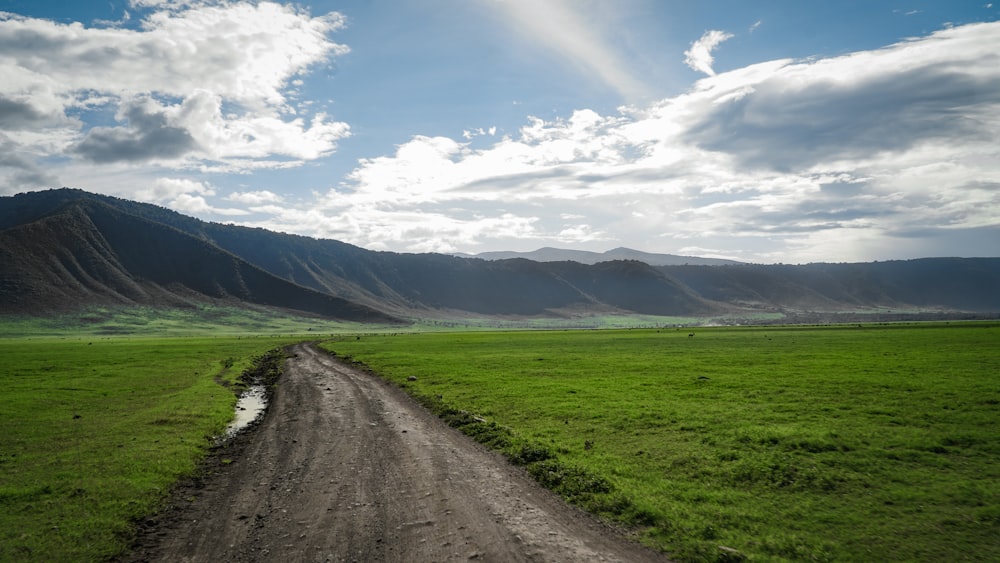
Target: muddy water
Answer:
pixel 249 408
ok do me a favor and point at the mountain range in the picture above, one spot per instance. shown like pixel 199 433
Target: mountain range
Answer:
pixel 549 254
pixel 64 249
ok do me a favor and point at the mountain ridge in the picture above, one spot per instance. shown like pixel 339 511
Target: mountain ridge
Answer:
pixel 64 249
pixel 198 260
pixel 89 252
pixel 550 254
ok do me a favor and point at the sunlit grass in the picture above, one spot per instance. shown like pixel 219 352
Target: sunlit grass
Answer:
pixel 93 434
pixel 847 443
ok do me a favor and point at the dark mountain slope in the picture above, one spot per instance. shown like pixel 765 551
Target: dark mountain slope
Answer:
pixel 62 261
pixel 324 265
pixel 628 285
pixel 65 248
pixel 88 252
pixel 971 284
pixel 213 260
pixel 408 282
pixel 961 284
pixel 164 254
pixel 777 285
pixel 520 286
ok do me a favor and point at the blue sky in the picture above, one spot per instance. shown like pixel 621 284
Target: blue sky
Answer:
pixel 781 131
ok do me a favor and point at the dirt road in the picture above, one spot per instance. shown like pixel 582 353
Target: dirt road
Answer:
pixel 345 467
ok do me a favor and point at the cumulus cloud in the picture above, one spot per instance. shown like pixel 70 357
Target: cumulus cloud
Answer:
pixel 699 56
pixel 258 198
pixel 384 227
pixel 166 189
pixel 184 195
pixel 198 205
pixel 18 172
pixel 22 114
pixel 246 52
pixel 167 83
pixel 840 158
pixel 470 134
pixel 797 114
pixel 148 136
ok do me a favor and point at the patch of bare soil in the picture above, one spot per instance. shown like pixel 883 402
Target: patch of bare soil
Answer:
pixel 345 467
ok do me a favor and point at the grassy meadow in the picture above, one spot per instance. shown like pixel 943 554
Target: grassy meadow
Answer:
pixel 851 443
pixel 93 432
pixel 110 322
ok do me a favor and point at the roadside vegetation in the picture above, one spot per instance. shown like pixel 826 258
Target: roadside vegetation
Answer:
pixel 847 443
pixel 93 433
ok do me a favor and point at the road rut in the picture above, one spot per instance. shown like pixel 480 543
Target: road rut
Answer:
pixel 346 467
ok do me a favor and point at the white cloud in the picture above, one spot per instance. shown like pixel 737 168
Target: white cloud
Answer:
pixel 833 159
pixel 184 195
pixel 166 189
pixel 168 4
pixel 261 136
pixel 244 52
pixel 192 204
pixel 470 134
pixel 796 114
pixel 576 234
pixel 699 56
pixel 388 228
pixel 260 197
pixel 18 172
pixel 199 84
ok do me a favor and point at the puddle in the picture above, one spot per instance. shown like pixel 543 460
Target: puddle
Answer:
pixel 249 408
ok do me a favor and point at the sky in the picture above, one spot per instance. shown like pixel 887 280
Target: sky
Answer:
pixel 772 131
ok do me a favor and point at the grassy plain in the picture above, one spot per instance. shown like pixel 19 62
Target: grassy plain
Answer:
pixel 853 443
pixel 93 432
pixel 97 322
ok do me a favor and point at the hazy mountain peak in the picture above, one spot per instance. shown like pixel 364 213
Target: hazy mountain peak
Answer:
pixel 550 254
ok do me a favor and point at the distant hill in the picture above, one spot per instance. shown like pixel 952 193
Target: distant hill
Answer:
pixel 65 249
pixel 549 254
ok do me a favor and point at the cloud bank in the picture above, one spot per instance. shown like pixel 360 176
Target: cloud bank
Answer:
pixel 891 152
pixel 197 85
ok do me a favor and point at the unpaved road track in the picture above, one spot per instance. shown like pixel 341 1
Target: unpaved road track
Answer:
pixel 345 467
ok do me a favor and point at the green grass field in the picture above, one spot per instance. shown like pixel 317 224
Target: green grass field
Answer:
pixel 109 322
pixel 874 443
pixel 93 432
